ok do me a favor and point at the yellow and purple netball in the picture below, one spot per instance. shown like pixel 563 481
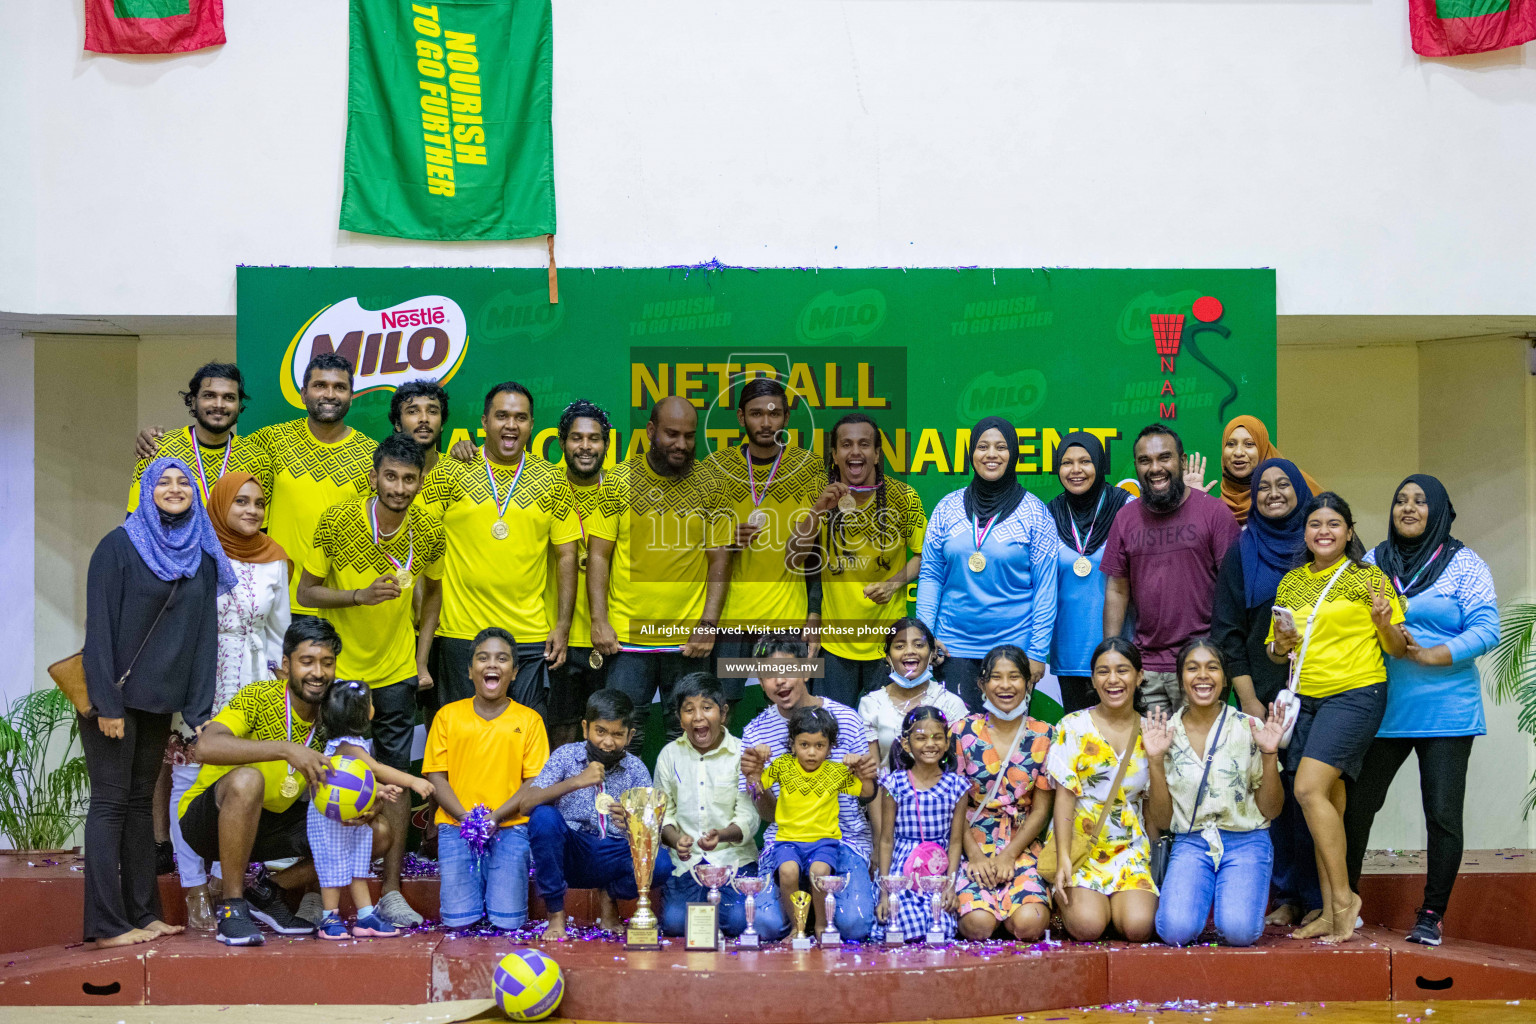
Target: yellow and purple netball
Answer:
pixel 528 985
pixel 348 790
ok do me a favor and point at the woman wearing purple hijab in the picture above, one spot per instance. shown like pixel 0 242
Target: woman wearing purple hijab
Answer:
pixel 164 563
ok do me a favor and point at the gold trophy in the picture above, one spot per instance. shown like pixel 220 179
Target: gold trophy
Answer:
pixel 644 807
pixel 800 903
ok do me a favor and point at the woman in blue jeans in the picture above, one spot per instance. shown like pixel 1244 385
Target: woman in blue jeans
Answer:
pixel 1215 784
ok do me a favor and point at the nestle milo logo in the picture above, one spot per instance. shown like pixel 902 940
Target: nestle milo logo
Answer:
pixel 508 314
pixel 1135 325
pixel 830 316
pixel 1016 396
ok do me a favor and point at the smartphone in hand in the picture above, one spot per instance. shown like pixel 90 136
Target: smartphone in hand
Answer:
pixel 1284 619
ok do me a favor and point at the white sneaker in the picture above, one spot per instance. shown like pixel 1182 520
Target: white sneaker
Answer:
pixel 311 909
pixel 393 908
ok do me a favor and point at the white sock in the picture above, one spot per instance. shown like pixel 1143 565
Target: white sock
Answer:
pixel 363 912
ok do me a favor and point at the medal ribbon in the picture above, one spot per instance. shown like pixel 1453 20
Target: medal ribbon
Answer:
pixel 752 475
pixel 490 476
pixel 410 540
pixel 288 713
pixel 197 461
pixel 979 533
pixel 1077 538
pixel 602 819
pixel 1401 590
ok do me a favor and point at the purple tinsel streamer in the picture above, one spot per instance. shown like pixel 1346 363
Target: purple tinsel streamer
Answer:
pixel 477 830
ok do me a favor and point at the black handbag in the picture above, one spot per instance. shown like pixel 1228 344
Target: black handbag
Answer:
pixel 1162 849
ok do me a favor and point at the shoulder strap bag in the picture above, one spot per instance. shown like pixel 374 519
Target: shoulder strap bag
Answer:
pixel 1082 846
pixel 68 674
pixel 1287 698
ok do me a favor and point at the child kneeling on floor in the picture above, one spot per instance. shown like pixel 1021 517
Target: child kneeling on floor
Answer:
pixel 343 851
pixel 482 750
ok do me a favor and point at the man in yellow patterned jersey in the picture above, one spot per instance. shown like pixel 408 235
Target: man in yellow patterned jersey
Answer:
pixel 658 562
pixel 584 432
pixel 864 538
pixel 502 513
pixel 769 485
pixel 418 410
pixel 367 556
pixel 215 397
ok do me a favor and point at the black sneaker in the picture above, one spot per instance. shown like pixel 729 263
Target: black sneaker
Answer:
pixel 235 925
pixel 1426 930
pixel 266 901
pixel 165 858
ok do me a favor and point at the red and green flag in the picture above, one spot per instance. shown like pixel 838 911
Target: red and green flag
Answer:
pixel 1445 28
pixel 153 26
pixel 448 120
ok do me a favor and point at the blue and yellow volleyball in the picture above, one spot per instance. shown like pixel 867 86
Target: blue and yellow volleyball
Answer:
pixel 528 985
pixel 348 790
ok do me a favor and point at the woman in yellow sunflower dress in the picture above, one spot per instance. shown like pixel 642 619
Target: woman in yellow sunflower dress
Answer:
pixel 1005 819
pixel 1114 886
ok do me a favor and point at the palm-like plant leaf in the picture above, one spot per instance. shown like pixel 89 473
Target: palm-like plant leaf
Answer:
pixel 1512 671
pixel 41 807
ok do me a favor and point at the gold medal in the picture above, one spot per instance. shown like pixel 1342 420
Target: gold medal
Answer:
pixel 977 561
pixel 848 503
pixel 405 579
pixel 595 659
pixel 499 530
pixel 1082 566
pixel 758 519
pixel 291 786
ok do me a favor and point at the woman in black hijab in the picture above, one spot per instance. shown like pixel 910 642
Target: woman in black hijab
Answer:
pixel 988 575
pixel 1083 512
pixel 1434 693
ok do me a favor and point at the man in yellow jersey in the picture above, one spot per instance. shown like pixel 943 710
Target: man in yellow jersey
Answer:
pixel 864 538
pixel 418 410
pixel 367 556
pixel 658 562
pixel 584 432
pixel 215 397
pixel 769 485
pixel 501 513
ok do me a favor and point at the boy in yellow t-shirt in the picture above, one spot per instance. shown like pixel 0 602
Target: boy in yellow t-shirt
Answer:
pixel 806 806
pixel 481 751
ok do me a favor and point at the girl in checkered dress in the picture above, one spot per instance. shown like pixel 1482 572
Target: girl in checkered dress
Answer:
pixel 343 852
pixel 922 819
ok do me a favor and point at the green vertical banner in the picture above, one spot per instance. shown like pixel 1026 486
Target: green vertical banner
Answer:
pixel 448 120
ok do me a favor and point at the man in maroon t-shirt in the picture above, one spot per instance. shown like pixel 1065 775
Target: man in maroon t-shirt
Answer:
pixel 1163 554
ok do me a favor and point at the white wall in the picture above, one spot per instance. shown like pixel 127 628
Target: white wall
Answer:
pixel 17 504
pixel 1304 136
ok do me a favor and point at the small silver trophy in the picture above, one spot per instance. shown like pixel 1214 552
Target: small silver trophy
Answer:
pixel 831 885
pixel 893 886
pixel 749 886
pixel 934 886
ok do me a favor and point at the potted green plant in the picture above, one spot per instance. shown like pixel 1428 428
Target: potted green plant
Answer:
pixel 44 788
pixel 1512 676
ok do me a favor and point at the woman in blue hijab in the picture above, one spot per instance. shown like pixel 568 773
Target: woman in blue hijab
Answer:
pixel 151 642
pixel 1270 546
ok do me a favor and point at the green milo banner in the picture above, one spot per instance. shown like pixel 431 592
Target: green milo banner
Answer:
pixel 926 353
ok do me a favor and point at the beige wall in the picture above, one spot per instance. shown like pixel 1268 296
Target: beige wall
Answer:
pixel 165 361
pixel 1359 419
pixel 81 475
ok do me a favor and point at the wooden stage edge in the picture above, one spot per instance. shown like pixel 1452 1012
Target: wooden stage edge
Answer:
pixel 604 982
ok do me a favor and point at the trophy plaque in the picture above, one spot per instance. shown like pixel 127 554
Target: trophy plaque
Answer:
pixel 703 931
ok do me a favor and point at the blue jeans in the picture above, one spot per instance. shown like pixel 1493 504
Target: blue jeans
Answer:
pixel 1239 888
pixel 680 890
pixel 493 886
pixel 855 912
pixel 564 857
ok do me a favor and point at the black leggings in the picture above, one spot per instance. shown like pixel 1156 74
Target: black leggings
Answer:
pixel 1077 693
pixel 1442 784
pixel 121 892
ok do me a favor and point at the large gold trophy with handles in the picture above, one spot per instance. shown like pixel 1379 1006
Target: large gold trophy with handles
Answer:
pixel 644 807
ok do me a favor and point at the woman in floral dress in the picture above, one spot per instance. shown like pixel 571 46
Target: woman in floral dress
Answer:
pixel 999 884
pixel 1114 886
pixel 252 620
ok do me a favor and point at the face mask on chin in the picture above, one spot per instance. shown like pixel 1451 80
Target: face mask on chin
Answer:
pixel 606 758
pixel 1005 716
pixel 920 680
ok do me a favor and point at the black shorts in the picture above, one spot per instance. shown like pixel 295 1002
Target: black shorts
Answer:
pixel 571 684
pixel 394 723
pixel 278 836
pixel 1338 730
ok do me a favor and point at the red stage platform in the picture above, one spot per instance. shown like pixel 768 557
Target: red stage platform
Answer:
pixel 606 982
